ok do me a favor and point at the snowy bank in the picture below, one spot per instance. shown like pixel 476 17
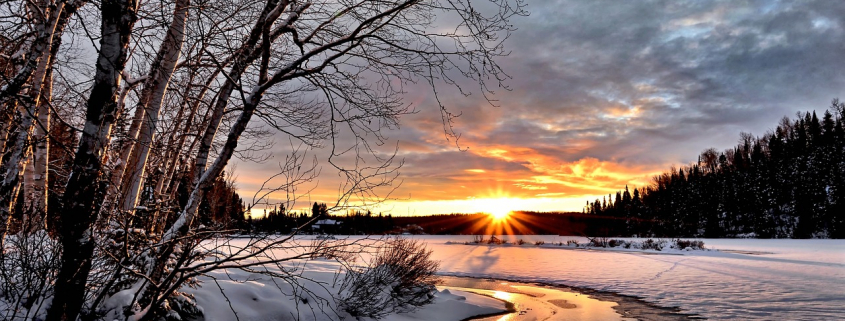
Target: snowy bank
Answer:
pixel 237 295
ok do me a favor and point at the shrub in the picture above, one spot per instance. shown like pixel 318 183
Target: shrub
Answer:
pixel 615 243
pixel 572 242
pixel 400 278
pixel 598 241
pixel 28 267
pixel 683 244
pixel 496 241
pixel 520 242
pixel 538 243
pixel 478 239
pixel 651 244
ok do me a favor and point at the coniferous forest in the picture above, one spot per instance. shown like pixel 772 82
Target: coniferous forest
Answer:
pixel 788 183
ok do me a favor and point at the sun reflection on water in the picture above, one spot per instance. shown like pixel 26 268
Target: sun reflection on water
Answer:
pixel 502 295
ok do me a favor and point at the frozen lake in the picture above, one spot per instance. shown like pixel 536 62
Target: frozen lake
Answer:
pixel 745 279
pixel 532 302
pixel 739 279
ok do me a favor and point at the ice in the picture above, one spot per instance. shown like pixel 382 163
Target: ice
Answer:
pixel 756 279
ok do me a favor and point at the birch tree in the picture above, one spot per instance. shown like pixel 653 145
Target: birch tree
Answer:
pixel 329 74
pixel 49 20
pixel 81 201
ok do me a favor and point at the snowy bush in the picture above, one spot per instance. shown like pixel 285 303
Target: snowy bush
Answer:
pixel 651 244
pixel 496 241
pixel 684 244
pixel 604 242
pixel 615 243
pixel 399 278
pixel 28 265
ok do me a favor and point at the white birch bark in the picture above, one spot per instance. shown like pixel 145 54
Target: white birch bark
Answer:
pixel 118 164
pixel 16 164
pixel 40 158
pixel 40 46
pixel 82 198
pixel 156 87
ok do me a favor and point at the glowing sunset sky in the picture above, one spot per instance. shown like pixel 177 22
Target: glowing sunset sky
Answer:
pixel 604 94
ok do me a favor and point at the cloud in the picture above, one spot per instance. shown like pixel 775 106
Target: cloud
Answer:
pixel 607 93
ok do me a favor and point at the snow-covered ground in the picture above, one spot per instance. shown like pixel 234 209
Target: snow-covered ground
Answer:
pixel 236 295
pixel 266 292
pixel 738 279
pixel 744 279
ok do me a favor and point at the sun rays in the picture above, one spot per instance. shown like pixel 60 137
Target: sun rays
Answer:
pixel 499 214
pixel 497 208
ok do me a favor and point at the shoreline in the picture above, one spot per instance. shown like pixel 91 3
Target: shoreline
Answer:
pixel 627 306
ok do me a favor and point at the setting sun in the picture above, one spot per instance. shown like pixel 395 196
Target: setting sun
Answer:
pixel 499 214
pixel 498 208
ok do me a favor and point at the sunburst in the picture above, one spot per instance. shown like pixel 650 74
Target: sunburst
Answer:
pixel 499 214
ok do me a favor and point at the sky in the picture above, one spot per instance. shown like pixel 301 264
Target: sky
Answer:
pixel 604 94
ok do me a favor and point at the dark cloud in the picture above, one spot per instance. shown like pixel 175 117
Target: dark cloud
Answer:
pixel 681 68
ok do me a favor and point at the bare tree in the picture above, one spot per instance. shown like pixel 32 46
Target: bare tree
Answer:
pixel 180 87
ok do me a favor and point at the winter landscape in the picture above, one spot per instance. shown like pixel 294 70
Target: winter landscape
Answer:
pixel 403 160
pixel 733 279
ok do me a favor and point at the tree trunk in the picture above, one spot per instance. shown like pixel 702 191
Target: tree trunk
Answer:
pixel 211 130
pixel 16 164
pixel 154 91
pixel 169 141
pixel 180 165
pixel 182 225
pixel 245 55
pixel 123 151
pixel 83 194
pixel 37 204
pixel 13 168
pixel 40 47
pixel 6 117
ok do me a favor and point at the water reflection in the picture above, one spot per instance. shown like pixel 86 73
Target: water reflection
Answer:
pixel 502 295
pixel 534 302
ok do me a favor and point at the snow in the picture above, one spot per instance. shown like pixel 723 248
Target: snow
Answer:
pixel 238 295
pixel 739 279
pixel 746 279
pixel 734 279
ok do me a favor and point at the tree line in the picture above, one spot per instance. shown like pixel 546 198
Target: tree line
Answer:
pixel 278 220
pixel 788 183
